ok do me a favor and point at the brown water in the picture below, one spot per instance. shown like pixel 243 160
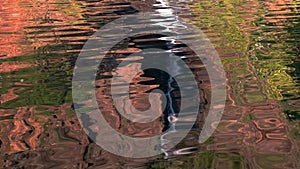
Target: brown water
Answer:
pixel 257 41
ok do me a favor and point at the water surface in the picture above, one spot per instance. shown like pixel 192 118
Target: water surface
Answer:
pixel 259 45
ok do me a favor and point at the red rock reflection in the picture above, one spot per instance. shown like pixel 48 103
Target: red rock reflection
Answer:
pixel 12 23
pixel 139 100
pixel 10 95
pixel 9 67
pixel 15 18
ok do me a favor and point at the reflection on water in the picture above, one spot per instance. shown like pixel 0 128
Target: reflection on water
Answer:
pixel 259 45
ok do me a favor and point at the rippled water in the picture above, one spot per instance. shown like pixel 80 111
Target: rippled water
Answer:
pixel 258 42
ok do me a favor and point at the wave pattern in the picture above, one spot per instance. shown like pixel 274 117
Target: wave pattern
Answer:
pixel 259 45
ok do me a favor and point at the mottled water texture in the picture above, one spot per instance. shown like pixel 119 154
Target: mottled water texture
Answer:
pixel 258 42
